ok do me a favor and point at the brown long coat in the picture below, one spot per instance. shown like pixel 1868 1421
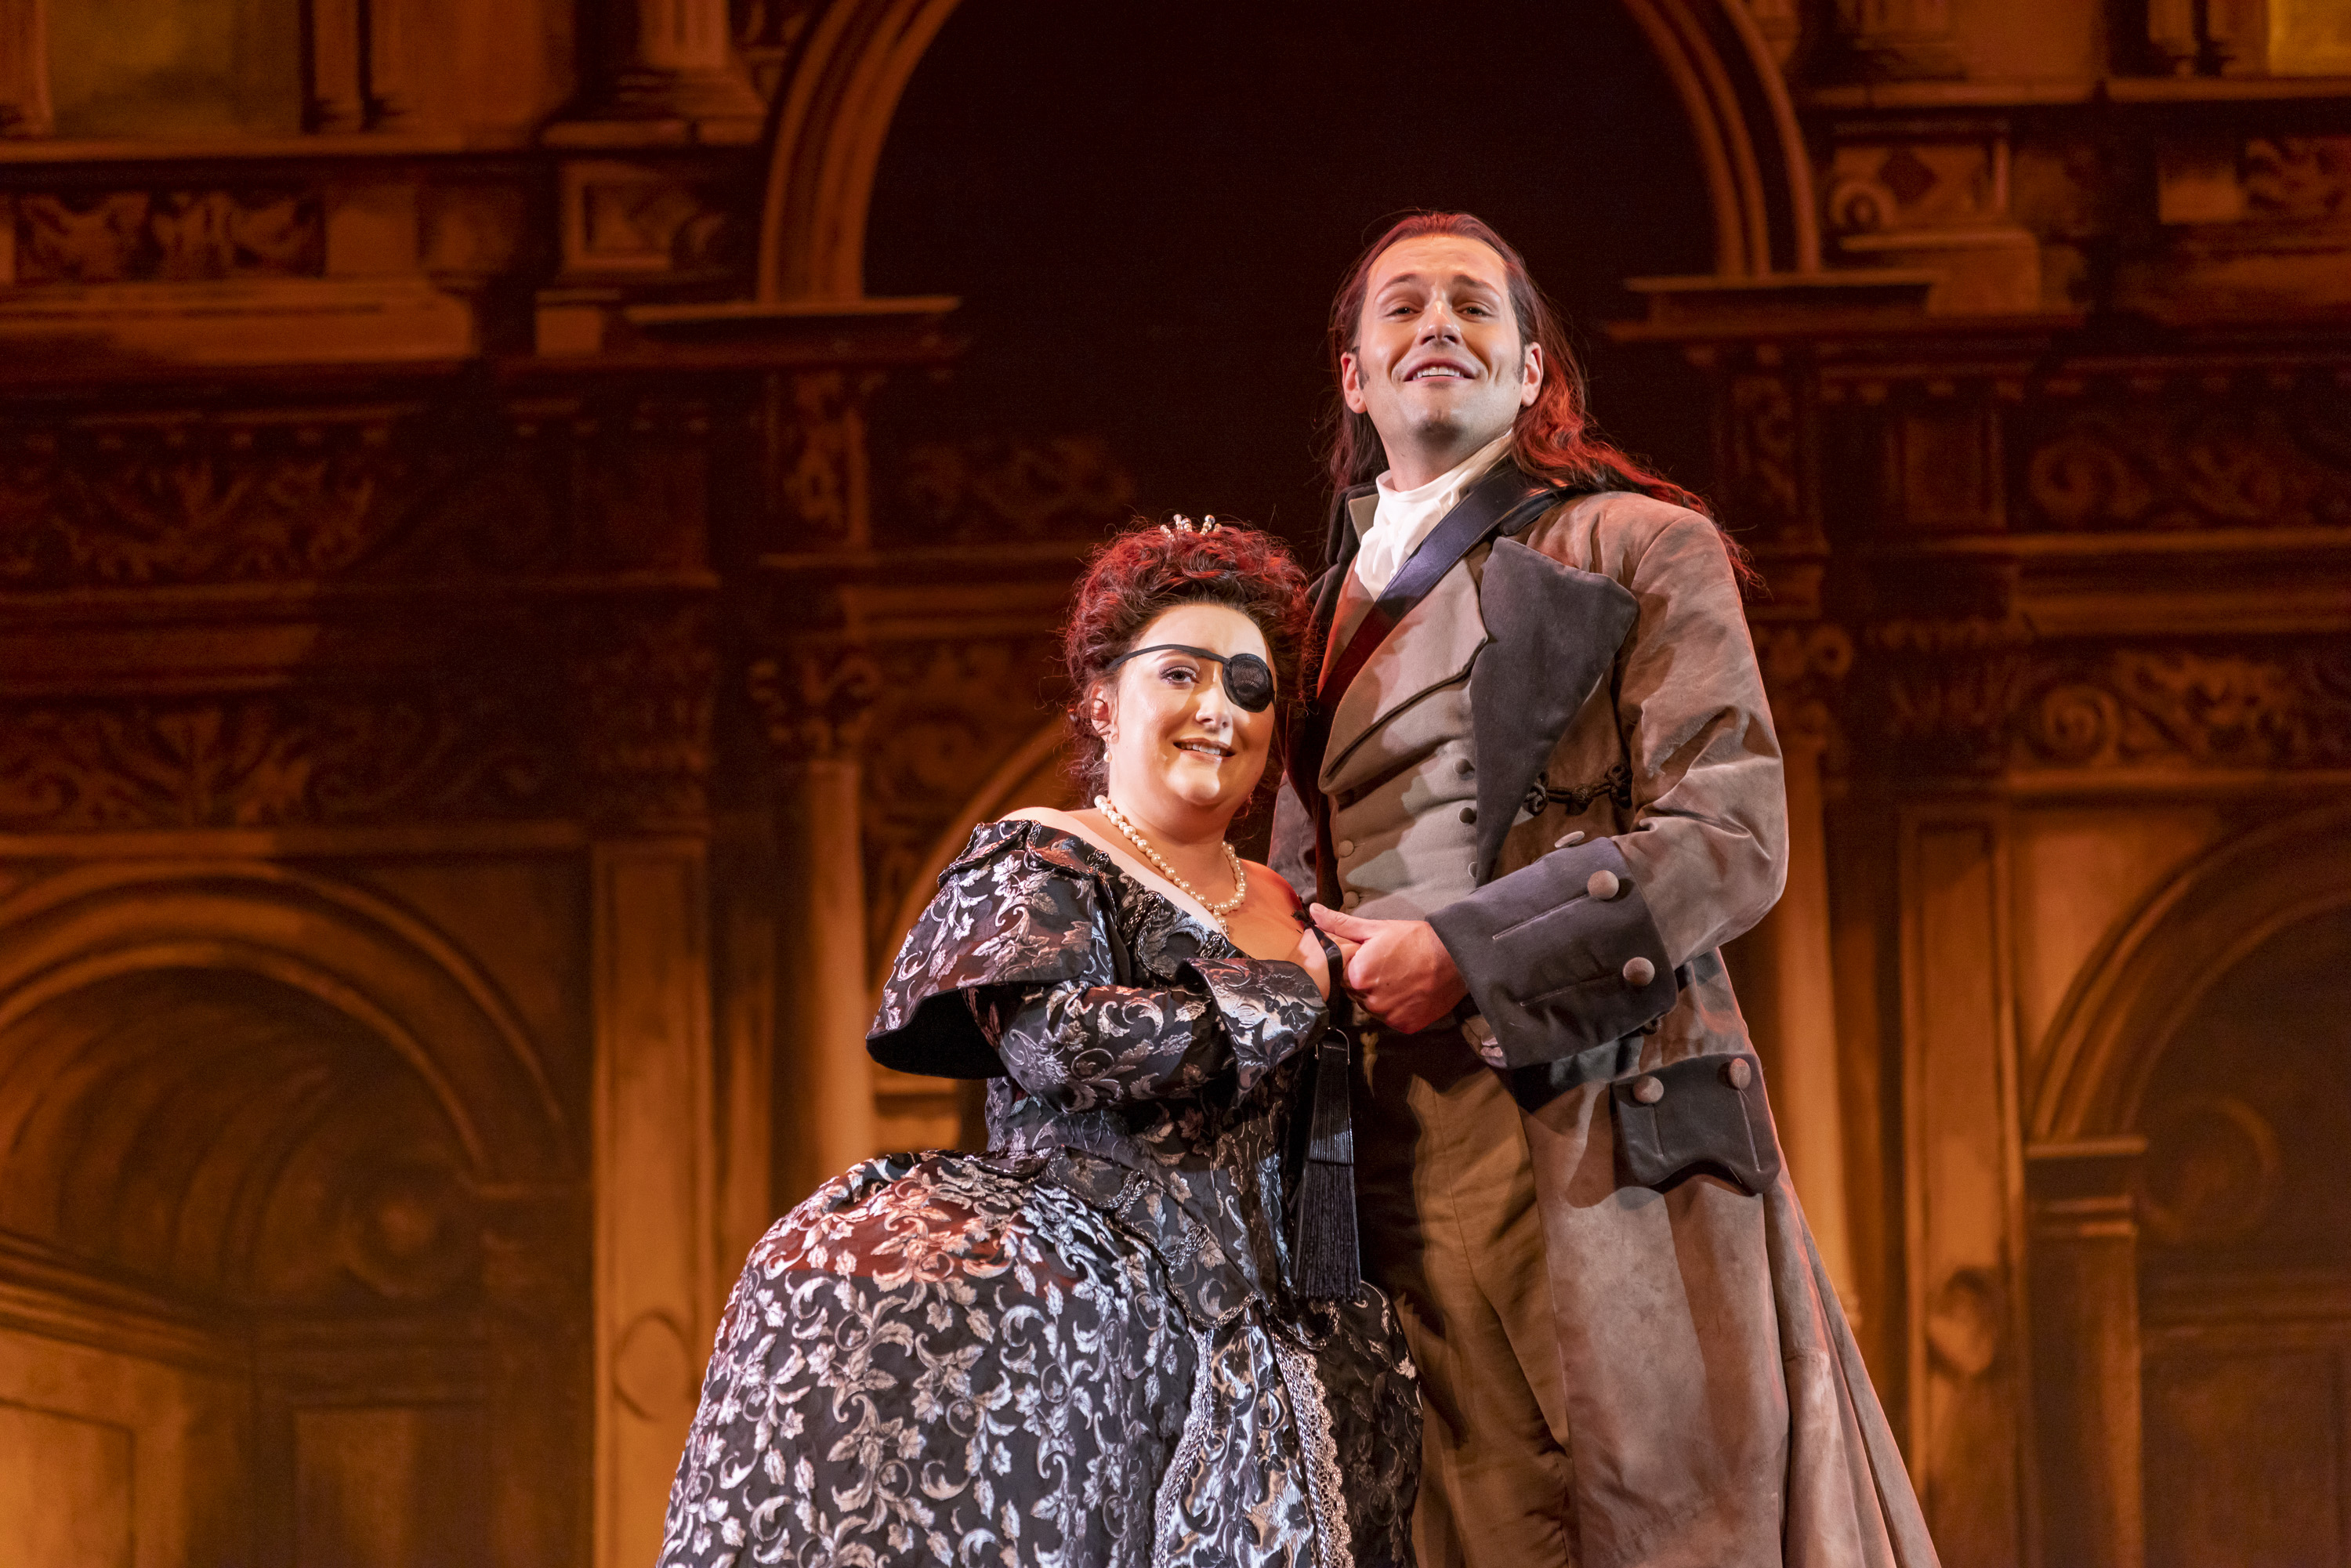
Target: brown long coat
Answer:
pixel 1718 1413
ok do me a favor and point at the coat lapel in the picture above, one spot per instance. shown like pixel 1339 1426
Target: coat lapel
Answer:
pixel 1431 647
pixel 1560 630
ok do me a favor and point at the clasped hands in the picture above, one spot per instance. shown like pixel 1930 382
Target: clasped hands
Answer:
pixel 1397 970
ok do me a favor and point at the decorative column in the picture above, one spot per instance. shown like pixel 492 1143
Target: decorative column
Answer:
pixel 816 702
pixel 675 60
pixel 1792 944
pixel 25 68
pixel 644 684
pixel 2086 1350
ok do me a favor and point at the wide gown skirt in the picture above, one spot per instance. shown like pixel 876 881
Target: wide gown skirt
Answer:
pixel 945 1358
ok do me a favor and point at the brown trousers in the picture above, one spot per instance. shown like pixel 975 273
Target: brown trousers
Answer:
pixel 1447 1196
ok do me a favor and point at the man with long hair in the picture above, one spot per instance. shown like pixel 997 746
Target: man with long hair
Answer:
pixel 1538 789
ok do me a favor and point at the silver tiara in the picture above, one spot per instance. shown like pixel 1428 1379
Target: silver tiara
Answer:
pixel 1184 524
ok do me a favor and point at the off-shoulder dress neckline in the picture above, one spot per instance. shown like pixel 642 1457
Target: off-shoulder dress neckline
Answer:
pixel 1094 854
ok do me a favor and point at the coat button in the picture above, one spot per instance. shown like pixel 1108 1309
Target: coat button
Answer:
pixel 1638 971
pixel 1469 813
pixel 1602 885
pixel 1648 1091
pixel 1737 1074
pixel 1346 846
pixel 1569 842
pixel 1352 898
pixel 1464 768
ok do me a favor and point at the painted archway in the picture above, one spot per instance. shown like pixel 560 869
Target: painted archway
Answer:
pixel 287 1206
pixel 2136 994
pixel 834 112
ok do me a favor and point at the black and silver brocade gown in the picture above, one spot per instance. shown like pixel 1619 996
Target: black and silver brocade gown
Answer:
pixel 1078 1349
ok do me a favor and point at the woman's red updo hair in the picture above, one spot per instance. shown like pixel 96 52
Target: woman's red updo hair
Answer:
pixel 1129 582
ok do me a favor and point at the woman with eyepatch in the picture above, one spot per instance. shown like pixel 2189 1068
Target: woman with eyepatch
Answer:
pixel 1133 1330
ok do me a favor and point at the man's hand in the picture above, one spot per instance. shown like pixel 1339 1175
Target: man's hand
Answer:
pixel 1399 971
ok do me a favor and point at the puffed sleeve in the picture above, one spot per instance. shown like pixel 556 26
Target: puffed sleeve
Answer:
pixel 1081 1046
pixel 1560 958
pixel 1016 968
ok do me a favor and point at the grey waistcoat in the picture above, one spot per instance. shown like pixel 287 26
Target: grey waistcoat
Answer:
pixel 1399 770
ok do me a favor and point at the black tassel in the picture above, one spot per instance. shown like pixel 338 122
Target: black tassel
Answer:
pixel 1323 1249
pixel 1329 1258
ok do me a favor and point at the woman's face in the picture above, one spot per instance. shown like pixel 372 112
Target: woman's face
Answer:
pixel 1176 742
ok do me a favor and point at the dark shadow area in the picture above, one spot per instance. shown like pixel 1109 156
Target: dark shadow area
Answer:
pixel 1147 220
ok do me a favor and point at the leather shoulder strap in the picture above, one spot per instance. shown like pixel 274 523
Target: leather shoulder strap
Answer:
pixel 1503 502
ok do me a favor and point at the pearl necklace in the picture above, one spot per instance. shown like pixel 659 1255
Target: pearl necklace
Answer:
pixel 1216 912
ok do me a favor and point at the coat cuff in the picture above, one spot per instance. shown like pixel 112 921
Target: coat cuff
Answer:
pixel 1560 955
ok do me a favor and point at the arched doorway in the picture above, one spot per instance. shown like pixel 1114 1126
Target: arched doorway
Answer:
pixel 280 1282
pixel 2191 1258
pixel 1144 222
pixel 2245 1264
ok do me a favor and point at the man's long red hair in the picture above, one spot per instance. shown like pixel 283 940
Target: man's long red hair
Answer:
pixel 1552 437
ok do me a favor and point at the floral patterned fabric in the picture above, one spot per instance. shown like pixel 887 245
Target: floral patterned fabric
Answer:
pixel 1081 1348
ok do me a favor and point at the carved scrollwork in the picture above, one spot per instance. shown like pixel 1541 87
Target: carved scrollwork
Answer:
pixel 821 472
pixel 2149 467
pixel 1975 701
pixel 1804 668
pixel 1762 453
pixel 165 501
pixel 1000 488
pixel 816 702
pixel 2137 705
pixel 120 236
pixel 264 761
pixel 646 690
pixel 954 713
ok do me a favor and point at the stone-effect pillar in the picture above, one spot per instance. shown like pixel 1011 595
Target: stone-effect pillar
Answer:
pixel 24 67
pixel 675 60
pixel 2086 1350
pixel 816 702
pixel 1797 1010
pixel 655 1179
pixel 644 688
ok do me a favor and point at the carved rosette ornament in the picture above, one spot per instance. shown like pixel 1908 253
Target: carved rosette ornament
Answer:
pixel 645 692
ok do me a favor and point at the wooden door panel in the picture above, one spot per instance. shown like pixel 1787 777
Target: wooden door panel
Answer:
pixel 2244 1461
pixel 65 1490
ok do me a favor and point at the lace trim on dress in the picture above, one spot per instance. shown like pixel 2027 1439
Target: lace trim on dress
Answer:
pixel 1325 1485
pixel 1167 1534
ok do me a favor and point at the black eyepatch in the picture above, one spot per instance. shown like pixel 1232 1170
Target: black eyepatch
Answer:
pixel 1248 681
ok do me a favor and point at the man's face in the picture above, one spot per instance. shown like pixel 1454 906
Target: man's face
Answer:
pixel 1437 360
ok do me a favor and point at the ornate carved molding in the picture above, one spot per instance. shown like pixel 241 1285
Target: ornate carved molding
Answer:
pixel 1804 668
pixel 140 236
pixel 953 713
pixel 816 702
pixel 645 690
pixel 818 458
pixel 2268 710
pixel 990 490
pixel 282 759
pixel 1975 698
pixel 2196 464
pixel 167 497
pixel 1760 458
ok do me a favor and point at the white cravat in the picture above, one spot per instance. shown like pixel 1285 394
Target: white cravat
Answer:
pixel 1404 516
